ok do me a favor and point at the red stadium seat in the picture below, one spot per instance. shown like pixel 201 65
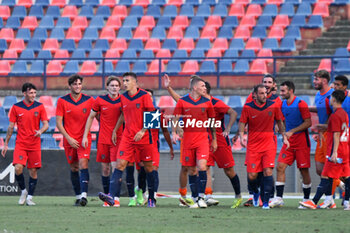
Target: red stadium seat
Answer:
pixel 248 21
pixel 190 67
pixel 113 53
pixel 147 21
pixel 10 54
pixel 153 44
pixel 253 43
pixel 30 22
pixel 143 3
pixel 51 44
pixel 108 34
pixel 181 21
pixel 7 34
pixel 166 102
pixel 153 68
pixel 326 1
pixel 214 21
pixel 110 3
pixel 187 44
pixel 95 126
pixel 88 68
pixel 348 47
pixel 220 44
pixel 17 45
pixel 242 32
pixel 46 100
pixel 74 34
pixel 177 3
pixel 141 33
pixel 120 10
pixel 275 2
pixel 266 53
pixel 119 44
pixel 325 64
pixel 282 21
pixel 237 10
pixel 70 11
pixel 5 12
pixel 54 68
pixel 62 53
pixel 208 33
pixel 276 32
pixel 258 67
pixel 50 111
pixel 80 22
pixel 243 2
pixel 26 3
pixel 164 53
pixel 59 3
pixel 5 67
pixel 114 22
pixel 214 53
pixel 175 33
pixel 321 8
pixel 254 10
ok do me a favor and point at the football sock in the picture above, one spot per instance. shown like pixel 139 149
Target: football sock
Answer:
pixel 236 185
pixel 253 185
pixel 320 190
pixel 150 184
pixel 84 180
pixel 208 192
pixel 130 181
pixel 272 194
pixel 307 191
pixel 268 187
pixel 156 180
pixel 250 191
pixel 105 183
pixel 75 179
pixel 328 190
pixel 141 179
pixel 115 183
pixel 347 189
pixel 192 180
pixel 336 183
pixel 32 185
pixel 183 192
pixel 202 182
pixel 279 188
pixel 261 184
pixel 20 181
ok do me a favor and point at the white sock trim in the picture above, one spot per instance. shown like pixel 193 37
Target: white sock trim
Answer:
pixel 305 186
pixel 279 183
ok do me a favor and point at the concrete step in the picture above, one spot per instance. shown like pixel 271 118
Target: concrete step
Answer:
pixel 336 28
pixel 337 34
pixel 342 23
pixel 326 40
pixel 298 69
pixel 334 45
pixel 325 51
pixel 304 62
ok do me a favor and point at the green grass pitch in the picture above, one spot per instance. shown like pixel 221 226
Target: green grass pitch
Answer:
pixel 57 214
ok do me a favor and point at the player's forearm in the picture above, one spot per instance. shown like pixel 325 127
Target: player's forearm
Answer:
pixel 312 109
pixel 88 125
pixel 336 139
pixel 44 127
pixel 174 125
pixel 173 94
pixel 8 134
pixel 233 117
pixel 281 128
pixel 61 128
pixel 304 126
pixel 119 123
pixel 241 127
pixel 167 137
pixel 213 132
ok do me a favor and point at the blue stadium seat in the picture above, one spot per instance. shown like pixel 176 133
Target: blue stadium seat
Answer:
pixel 231 21
pixel 192 32
pixel 37 67
pixel 207 67
pixel 231 53
pixel 241 67
pixel 85 44
pixel 23 33
pixel 220 97
pixel 19 68
pixel 49 143
pixel 91 34
pixel 10 3
pixel 220 10
pixel 140 67
pixel 197 53
pixel 136 11
pixel 304 9
pixel 68 44
pixel 3 45
pixel 46 54
pixel 87 11
pixel 159 32
pixel 57 33
pixel 92 3
pixel 170 44
pixel 122 67
pixel 53 11
pixel 9 101
pixel 28 54
pixel 136 44
pixel 63 22
pixel 96 53
pixel 47 22
pixel 108 68
pixel 1 23
pixel 192 2
pixel 271 43
pixel 77 3
pixel 287 45
pixel 293 32
pixel 44 3
pixel 13 22
pixel 170 11
pixel 180 53
pixel 315 21
pixel 158 2
pixel 225 2
pixel 79 53
pixel 72 67
pixel 130 54
pixel 34 44
pixel 287 9
pixel 264 20
pixel 4 123
pixel 102 44
pixel 225 66
pixel 97 22
pixel 342 66
pixel 147 54
pixel 164 21
pixel 36 11
pixel 270 10
pixel 103 11
pixel 248 53
pixel 234 101
pixel 126 2
pixel 125 33
pixel 187 10
pixel 197 21
pixel 306 98
pixel 237 44
pixel 19 11
pixel 2 111
pixel 340 2
pixel 174 67
pixel 154 11
pixel 203 44
pixel 209 2
pixel 259 32
pixel 294 2
pixel 204 10
pixel 298 20
pixel 225 32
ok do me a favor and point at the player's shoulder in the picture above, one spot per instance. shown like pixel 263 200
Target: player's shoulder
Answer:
pixel 140 93
pixel 215 101
pixel 21 104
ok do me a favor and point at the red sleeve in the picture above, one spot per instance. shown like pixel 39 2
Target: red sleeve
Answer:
pixel 148 104
pixel 304 110
pixel 336 123
pixel 328 107
pixel 60 108
pixel 210 110
pixel 245 114
pixel 221 107
pixel 43 115
pixel 278 112
pixel 249 98
pixel 13 115
pixel 178 108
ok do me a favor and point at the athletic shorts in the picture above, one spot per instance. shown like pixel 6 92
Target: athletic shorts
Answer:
pixel 135 152
pixel 321 152
pixel 106 153
pixel 74 155
pixel 192 155
pixel 156 155
pixel 257 161
pixel 31 158
pixel 336 170
pixel 223 155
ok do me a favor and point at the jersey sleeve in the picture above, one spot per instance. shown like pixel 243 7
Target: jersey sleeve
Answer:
pixel 178 108
pixel 278 112
pixel 328 106
pixel 13 115
pixel 304 110
pixel 43 114
pixel 148 104
pixel 244 114
pixel 336 123
pixel 221 107
pixel 60 108
pixel 249 98
pixel 96 105
pixel 210 110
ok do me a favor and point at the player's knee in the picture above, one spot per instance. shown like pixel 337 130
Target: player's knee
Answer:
pixel 192 171
pixel 33 172
pixel 18 169
pixel 267 172
pixel 106 170
pixel 230 172
pixel 252 176
pixel 281 168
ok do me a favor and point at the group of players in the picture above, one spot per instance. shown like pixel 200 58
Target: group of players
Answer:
pixel 124 142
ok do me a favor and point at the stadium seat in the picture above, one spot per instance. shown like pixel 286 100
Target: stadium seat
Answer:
pixel 282 21
pixel 287 9
pixel 87 11
pixel 74 34
pixel 298 20
pixel 153 11
pixel 5 67
pixel 232 54
pixel 9 101
pixel 254 10
pixel 159 33
pixel 70 12
pixel 173 68
pixel 208 32
pixel 19 68
pixel 225 67
pixel 158 2
pixel 249 54
pixel 143 3
pixel 179 53
pixel 271 43
pixel 203 44
pixel 321 8
pixel 190 67
pixel 51 45
pixel 348 47
pixel 96 56
pixel 166 102
pixel 9 3
pixel 175 33
pixel 276 32
pixel 112 3
pixel 125 33
pixel 108 69
pixel 54 68
pixel 80 22
pixel 214 21
pixel 114 22
pixel 56 33
pixel 46 100
pixel 177 3
pixel 248 21
pixel 220 10
pixel 258 67
pixel 37 67
pixel 304 9
pixel 88 68
pixel 136 44
pixel 293 32
pixel 36 11
pixel 242 32
pixel 85 44
pixel 10 54
pixel 131 22
pixel 78 55
pixel 91 34
pixel 68 44
pixel 254 44
pixel 148 55
pixel 136 11
pixel 259 32
pixel 13 22
pixel 17 45
pixel 141 33
pixel 164 53
pixel 186 44
pixel 237 10
pixel 170 44
pixel 187 10
pixel 197 54
pixel 112 53
pixel 234 101
pixel 153 68
pixel 192 32
pixel 3 45
pixel 62 53
pixel 77 3
pixel 153 44
pixel 220 44
pixel 203 10
pixel 2 111
pixel 140 67
pixel 59 3
pixel 45 54
pixel 97 22
pixel 325 64
pixel 270 10
pixel 306 98
pixel 342 66
pixel 47 22
pixel 192 2
pixel 225 32
pixel 164 21
pixel 181 21
pixel 129 53
pixel 53 11
pixel 24 34
pixel 120 10
pixel 122 67
pixel 266 53
pixel 231 21
pixel 103 11
pixel 119 44
pixel 214 53
pixel 315 21
pixel 241 67
pixel 237 44
pixel 19 11
pixel 27 54
pixel 64 23
pixel 287 45
pixel 207 67
pixel 148 22
pixel 225 2
pixel 49 143
pixel 108 33
pixel 209 2
pixel 5 12
pixel 341 53
pixel 7 34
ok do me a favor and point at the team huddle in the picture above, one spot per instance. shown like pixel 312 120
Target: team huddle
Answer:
pixel 125 142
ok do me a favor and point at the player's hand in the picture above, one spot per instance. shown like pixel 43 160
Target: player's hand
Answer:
pixel 85 142
pixel 139 135
pixel 288 134
pixel 285 141
pixel 4 150
pixel 172 154
pixel 321 127
pixel 166 81
pixel 234 139
pixel 175 137
pixel 226 133
pixel 214 146
pixel 334 157
pixel 114 138
pixel 321 139
pixel 73 143
pixel 37 133
pixel 315 137
pixel 181 132
pixel 243 142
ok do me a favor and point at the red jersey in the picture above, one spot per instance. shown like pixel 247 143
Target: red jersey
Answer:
pixel 75 114
pixel 191 110
pixel 109 110
pixel 28 119
pixel 220 110
pixel 133 108
pixel 338 122
pixel 260 120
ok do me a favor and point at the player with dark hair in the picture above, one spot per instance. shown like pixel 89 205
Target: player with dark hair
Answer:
pixel 260 116
pixel 71 114
pixel 297 121
pixel 107 109
pixel 27 114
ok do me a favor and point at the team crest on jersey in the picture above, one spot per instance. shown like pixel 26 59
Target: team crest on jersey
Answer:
pixel 253 165
pixel 270 113
pixel 20 157
pixel 187 158
pixel 137 105
pixel 121 153
pixel 69 157
pixel 36 114
pixel 203 109
pixel 284 155
pixel 84 110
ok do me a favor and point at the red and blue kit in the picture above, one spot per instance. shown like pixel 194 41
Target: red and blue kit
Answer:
pixel 338 122
pixel 109 111
pixel 195 142
pixel 294 114
pixel 75 114
pixel 28 147
pixel 261 149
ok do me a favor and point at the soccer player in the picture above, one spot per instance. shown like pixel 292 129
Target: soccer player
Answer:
pixel 337 164
pixel 27 114
pixel 297 121
pixel 107 108
pixel 260 115
pixel 136 143
pixel 194 107
pixel 71 114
